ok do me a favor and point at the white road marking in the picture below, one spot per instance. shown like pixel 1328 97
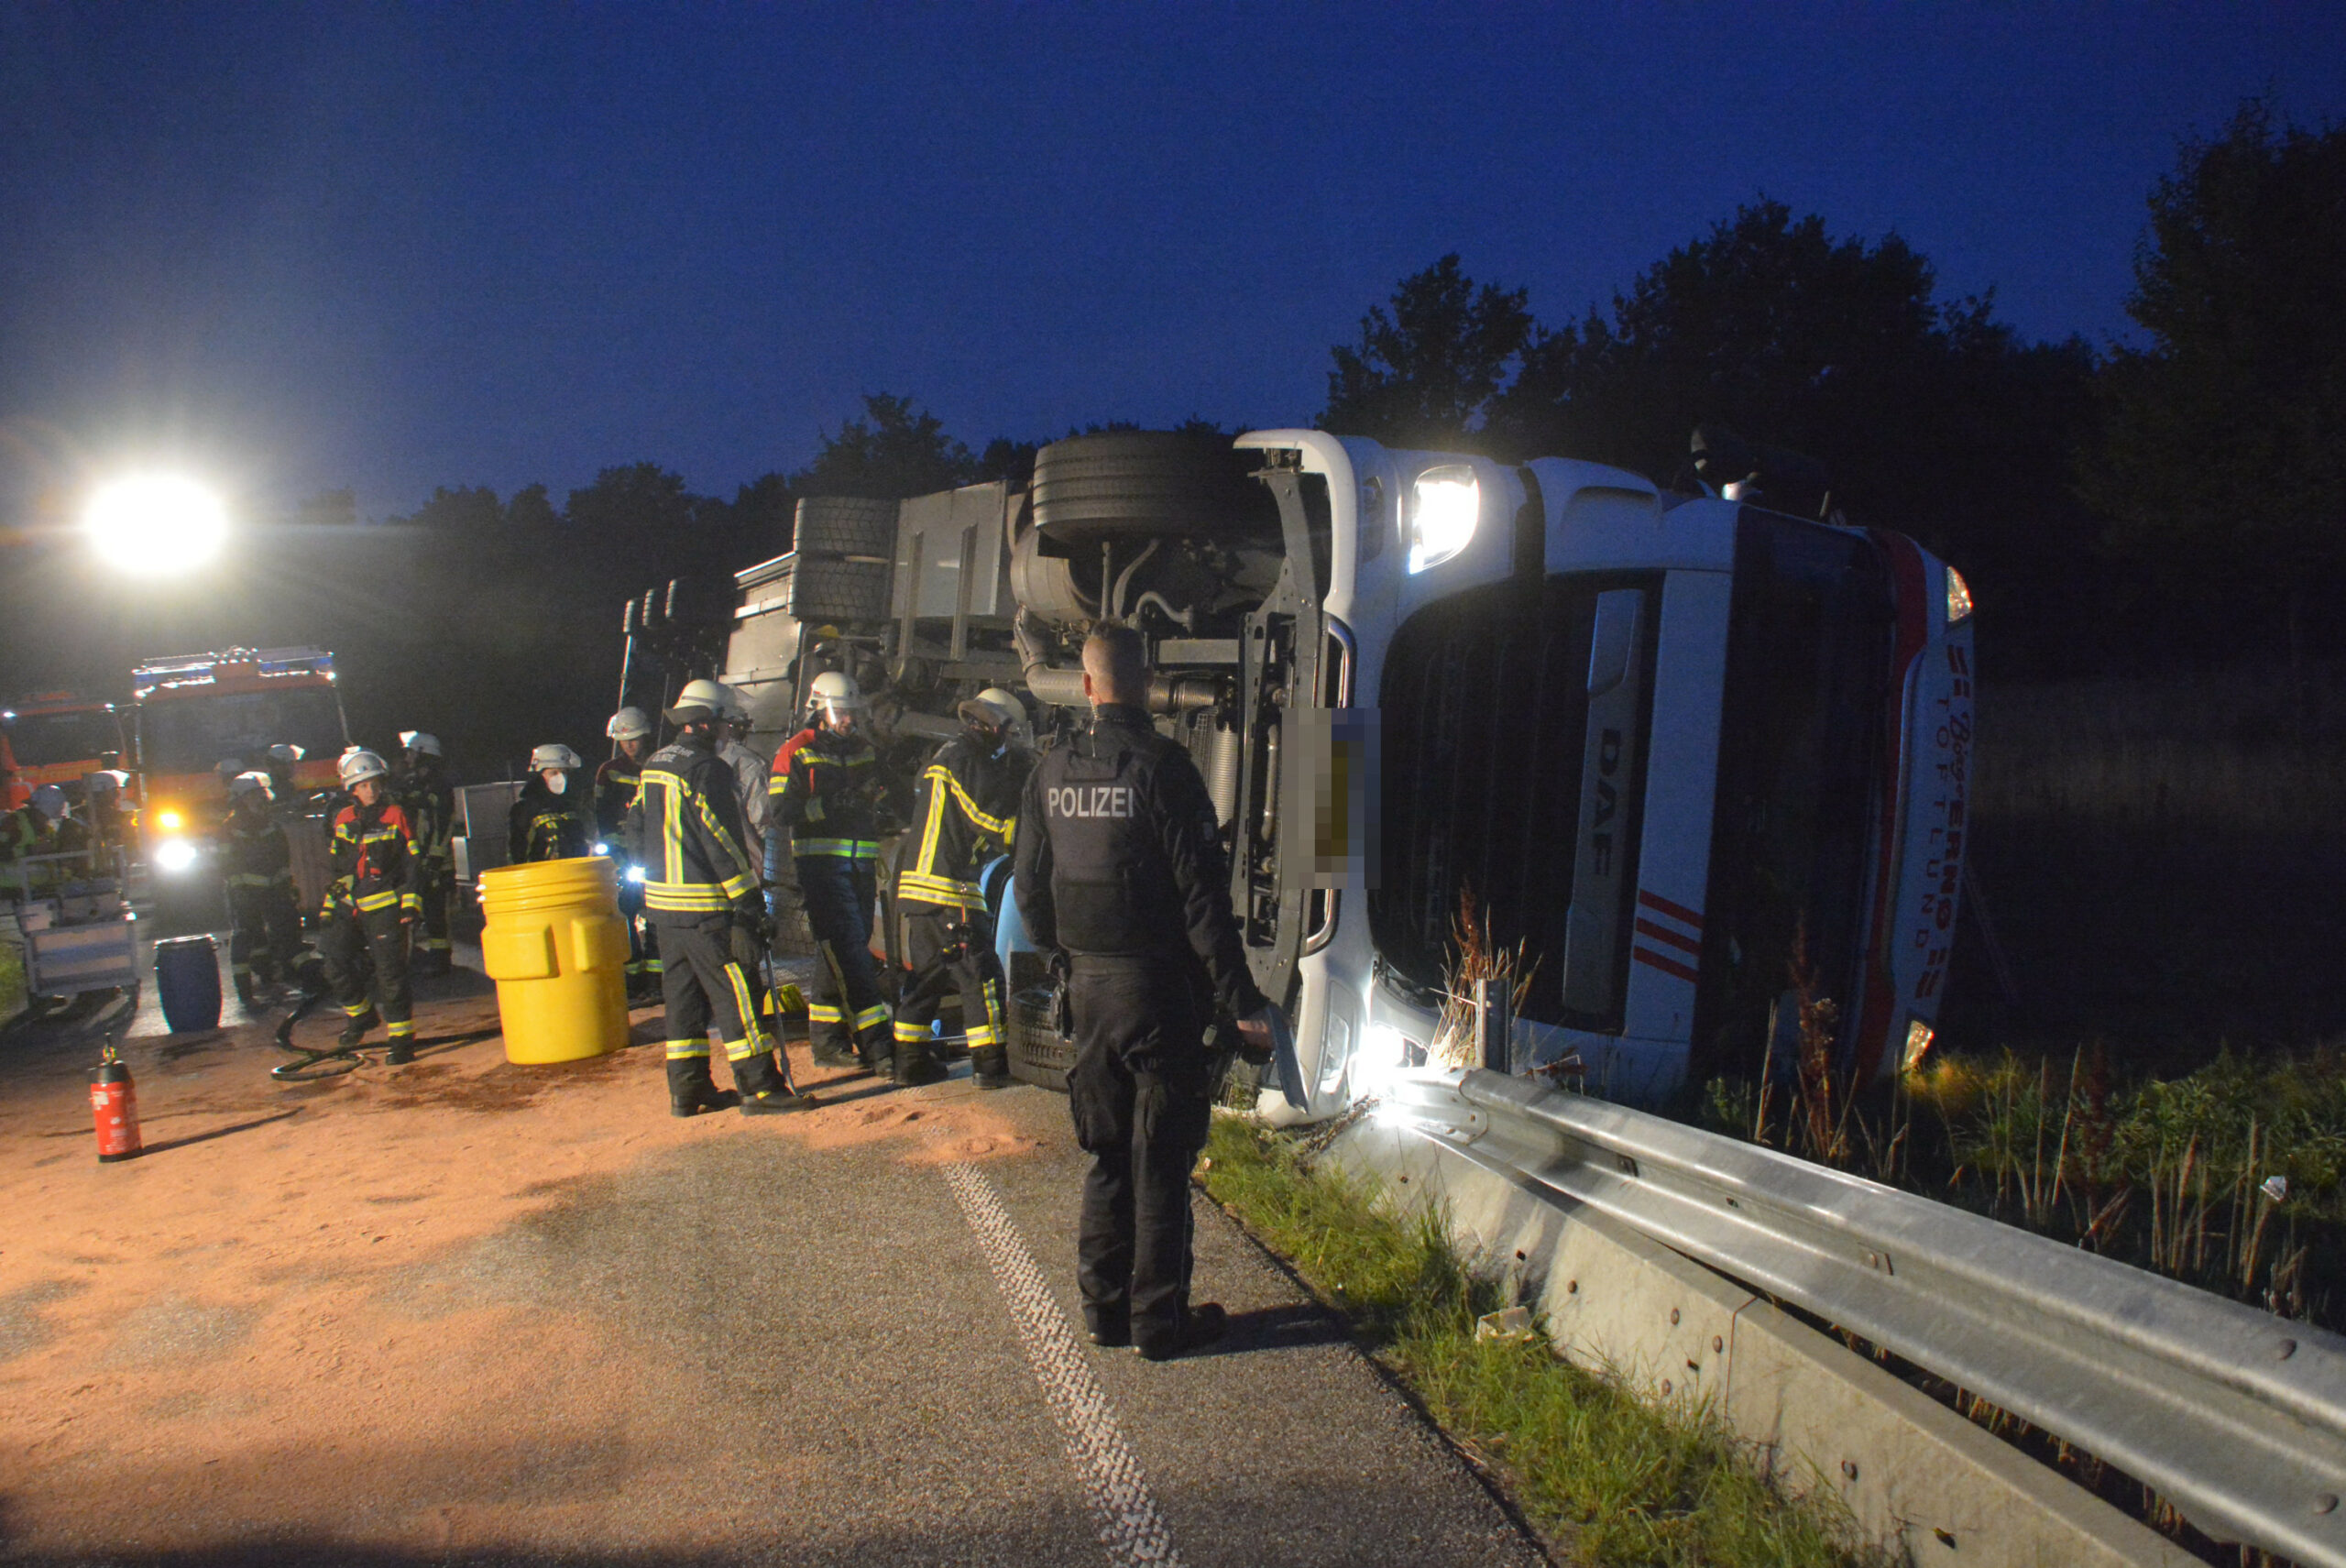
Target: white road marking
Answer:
pixel 1129 1525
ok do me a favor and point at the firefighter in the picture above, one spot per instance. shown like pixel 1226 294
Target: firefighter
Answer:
pixel 112 817
pixel 431 806
pixel 30 831
pixel 371 906
pixel 279 762
pixel 616 784
pixel 965 811
pixel 549 822
pixel 826 791
pixel 1120 871
pixel 752 774
pixel 698 886
pixel 265 942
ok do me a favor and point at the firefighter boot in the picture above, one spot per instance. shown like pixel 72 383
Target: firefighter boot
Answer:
pixel 244 988
pixel 878 1049
pixel 991 1064
pixel 916 1065
pixel 765 1087
pixel 355 1031
pixel 691 1090
pixel 827 1053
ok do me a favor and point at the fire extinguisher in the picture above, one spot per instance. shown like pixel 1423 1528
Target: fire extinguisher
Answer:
pixel 116 1101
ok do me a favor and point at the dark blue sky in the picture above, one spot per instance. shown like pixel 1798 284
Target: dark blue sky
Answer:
pixel 392 248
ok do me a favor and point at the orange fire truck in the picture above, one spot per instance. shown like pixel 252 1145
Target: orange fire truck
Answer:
pixel 196 710
pixel 56 738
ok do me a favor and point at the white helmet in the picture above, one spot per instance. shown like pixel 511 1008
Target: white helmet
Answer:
pixel 284 751
pixel 834 691
pixel 422 743
pixel 996 706
pixel 628 724
pixel 245 783
pixel 228 768
pixel 358 766
pixel 698 702
pixel 555 754
pixel 105 781
pixel 737 707
pixel 49 801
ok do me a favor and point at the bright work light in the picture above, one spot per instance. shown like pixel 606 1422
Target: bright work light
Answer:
pixel 174 855
pixel 1443 513
pixel 156 524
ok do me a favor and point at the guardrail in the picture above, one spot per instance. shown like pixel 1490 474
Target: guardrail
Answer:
pixel 2236 1417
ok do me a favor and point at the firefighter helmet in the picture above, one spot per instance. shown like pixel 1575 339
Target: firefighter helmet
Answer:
pixel 284 751
pixel 358 766
pixel 228 768
pixel 245 783
pixel 49 801
pixel 835 691
pixel 105 781
pixel 699 702
pixel 737 707
pixel 421 742
pixel 555 754
pixel 628 724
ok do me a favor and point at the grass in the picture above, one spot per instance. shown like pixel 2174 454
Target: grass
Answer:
pixel 1619 1483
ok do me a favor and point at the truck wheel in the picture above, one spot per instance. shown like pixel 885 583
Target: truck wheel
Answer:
pixel 846 525
pixel 839 590
pixel 1146 484
pixel 1037 1053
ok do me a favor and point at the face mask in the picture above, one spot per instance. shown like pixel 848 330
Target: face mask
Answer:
pixel 558 782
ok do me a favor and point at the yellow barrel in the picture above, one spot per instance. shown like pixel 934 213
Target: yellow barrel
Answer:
pixel 557 949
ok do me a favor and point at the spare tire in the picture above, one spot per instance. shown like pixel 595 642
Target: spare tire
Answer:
pixel 846 525
pixel 1146 484
pixel 839 590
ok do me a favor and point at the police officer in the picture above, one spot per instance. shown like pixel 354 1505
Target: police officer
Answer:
pixel 1120 870
pixel 698 883
pixel 965 810
pixel 430 804
pixel 826 790
pixel 264 942
pixel 371 906
pixel 549 822
pixel 616 784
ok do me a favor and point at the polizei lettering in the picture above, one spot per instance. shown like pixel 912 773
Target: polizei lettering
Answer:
pixel 1091 800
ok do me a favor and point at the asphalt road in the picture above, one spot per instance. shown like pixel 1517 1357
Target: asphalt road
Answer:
pixel 835 1350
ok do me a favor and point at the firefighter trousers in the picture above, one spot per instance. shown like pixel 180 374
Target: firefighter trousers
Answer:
pixel 437 886
pixel 351 941
pixel 1140 1093
pixel 642 944
pixel 703 985
pixel 265 938
pixel 838 894
pixel 949 950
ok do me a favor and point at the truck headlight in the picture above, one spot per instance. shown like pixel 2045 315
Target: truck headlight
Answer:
pixel 174 855
pixel 635 873
pixel 1959 598
pixel 170 821
pixel 1443 509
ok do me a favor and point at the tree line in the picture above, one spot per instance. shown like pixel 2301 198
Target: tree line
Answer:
pixel 2117 509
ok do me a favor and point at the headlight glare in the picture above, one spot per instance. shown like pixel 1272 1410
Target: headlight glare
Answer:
pixel 174 855
pixel 170 821
pixel 1444 506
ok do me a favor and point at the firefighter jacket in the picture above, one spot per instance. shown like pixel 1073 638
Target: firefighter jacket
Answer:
pixel 615 782
pixel 753 786
pixel 544 825
pixel 431 807
pixel 371 860
pixel 1120 857
pixel 23 832
pixel 826 791
pixel 965 811
pixel 253 849
pixel 686 825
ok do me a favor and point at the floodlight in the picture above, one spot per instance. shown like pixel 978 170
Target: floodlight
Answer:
pixel 1447 504
pixel 156 524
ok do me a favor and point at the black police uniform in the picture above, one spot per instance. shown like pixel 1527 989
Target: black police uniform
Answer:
pixel 687 822
pixel 1120 868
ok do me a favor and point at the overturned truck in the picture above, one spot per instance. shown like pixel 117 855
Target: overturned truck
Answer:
pixel 1699 767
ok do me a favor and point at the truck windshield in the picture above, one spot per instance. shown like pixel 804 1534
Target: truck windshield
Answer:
pixel 194 734
pixel 42 739
pixel 1513 740
pixel 1802 722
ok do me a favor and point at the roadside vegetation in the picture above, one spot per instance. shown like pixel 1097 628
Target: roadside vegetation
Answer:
pixel 1611 1480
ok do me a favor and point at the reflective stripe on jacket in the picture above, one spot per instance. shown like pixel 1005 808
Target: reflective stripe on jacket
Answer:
pixel 965 809
pixel 687 826
pixel 372 859
pixel 823 787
